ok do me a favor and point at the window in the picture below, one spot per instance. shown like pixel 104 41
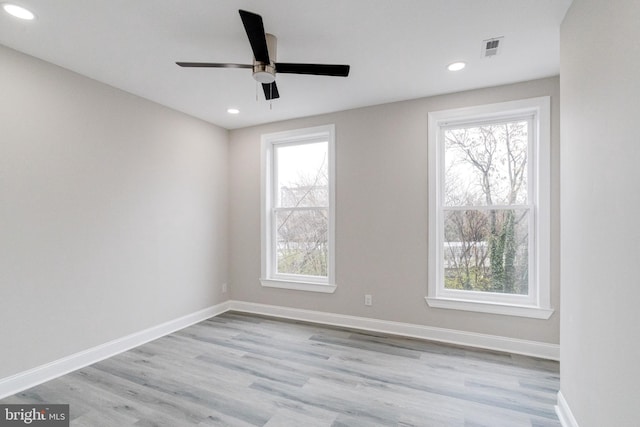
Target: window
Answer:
pixel 489 231
pixel 298 209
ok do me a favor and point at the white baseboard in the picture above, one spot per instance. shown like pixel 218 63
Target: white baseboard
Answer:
pixel 564 412
pixel 27 379
pixel 451 336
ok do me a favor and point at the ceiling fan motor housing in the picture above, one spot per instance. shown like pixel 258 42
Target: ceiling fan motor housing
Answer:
pixel 266 73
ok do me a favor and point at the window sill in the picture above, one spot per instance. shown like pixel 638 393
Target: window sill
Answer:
pixel 299 286
pixel 493 308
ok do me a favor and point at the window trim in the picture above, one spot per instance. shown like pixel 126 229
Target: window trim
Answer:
pixel 537 305
pixel 268 277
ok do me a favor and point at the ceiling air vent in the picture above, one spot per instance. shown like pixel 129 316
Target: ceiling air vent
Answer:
pixel 491 47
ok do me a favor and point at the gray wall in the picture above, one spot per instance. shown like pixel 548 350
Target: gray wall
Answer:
pixel 381 223
pixel 600 351
pixel 113 213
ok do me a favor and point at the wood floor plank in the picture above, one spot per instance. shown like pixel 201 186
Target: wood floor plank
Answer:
pixel 246 370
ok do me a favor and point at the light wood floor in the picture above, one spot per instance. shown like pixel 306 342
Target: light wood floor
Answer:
pixel 244 370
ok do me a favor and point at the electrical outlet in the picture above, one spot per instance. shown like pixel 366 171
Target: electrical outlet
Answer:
pixel 224 288
pixel 368 300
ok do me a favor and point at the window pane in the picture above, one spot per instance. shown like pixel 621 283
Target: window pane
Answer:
pixel 486 165
pixel 302 244
pixel 302 175
pixel 487 250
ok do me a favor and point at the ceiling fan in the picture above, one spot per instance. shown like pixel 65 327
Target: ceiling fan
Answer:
pixel 264 64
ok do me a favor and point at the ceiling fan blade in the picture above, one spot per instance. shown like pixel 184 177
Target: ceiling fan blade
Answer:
pixel 316 69
pixel 255 31
pixel 212 65
pixel 270 90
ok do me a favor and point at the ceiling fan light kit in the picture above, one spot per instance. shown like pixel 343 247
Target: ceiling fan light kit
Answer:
pixel 264 73
pixel 265 67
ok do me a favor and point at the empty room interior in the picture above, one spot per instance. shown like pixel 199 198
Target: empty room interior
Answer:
pixel 320 213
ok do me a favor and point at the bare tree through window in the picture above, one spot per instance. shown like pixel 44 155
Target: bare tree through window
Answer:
pixel 486 212
pixel 301 213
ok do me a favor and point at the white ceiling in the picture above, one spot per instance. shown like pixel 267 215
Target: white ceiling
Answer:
pixel 397 49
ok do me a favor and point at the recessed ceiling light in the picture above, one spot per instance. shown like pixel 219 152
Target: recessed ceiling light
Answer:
pixel 18 11
pixel 233 111
pixel 456 66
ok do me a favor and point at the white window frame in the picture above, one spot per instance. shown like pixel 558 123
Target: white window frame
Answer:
pixel 269 276
pixel 537 304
